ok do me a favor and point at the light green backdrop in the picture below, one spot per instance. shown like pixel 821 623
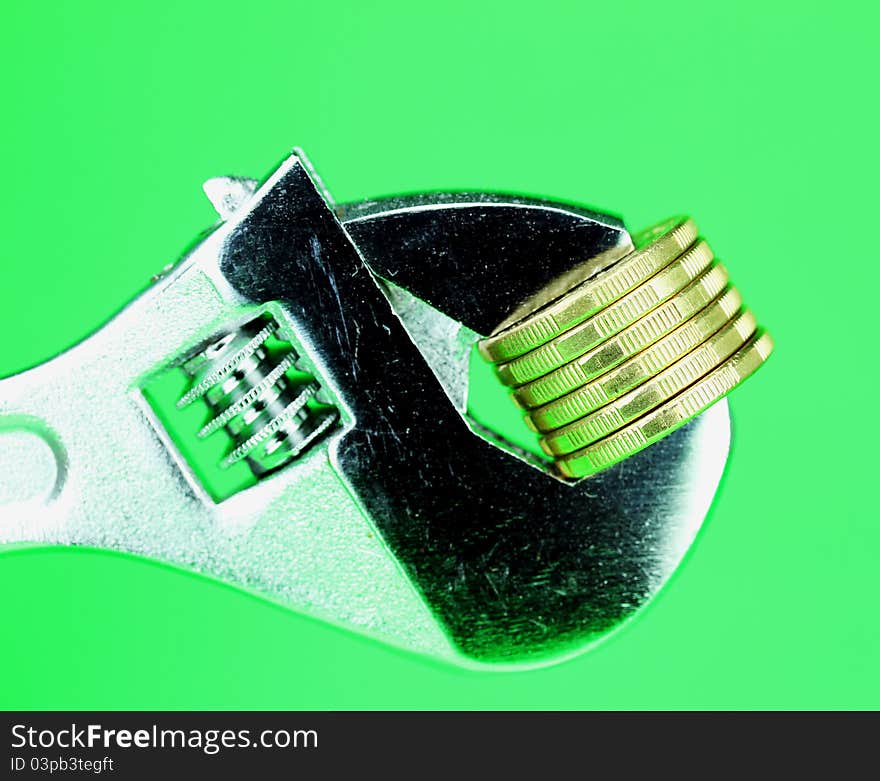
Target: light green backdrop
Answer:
pixel 758 118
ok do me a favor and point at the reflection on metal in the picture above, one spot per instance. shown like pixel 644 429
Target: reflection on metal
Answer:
pixel 405 521
pixel 229 193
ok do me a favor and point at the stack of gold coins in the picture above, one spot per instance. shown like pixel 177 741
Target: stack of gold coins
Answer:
pixel 631 354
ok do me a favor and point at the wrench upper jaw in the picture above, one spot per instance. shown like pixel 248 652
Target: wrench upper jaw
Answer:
pixel 483 259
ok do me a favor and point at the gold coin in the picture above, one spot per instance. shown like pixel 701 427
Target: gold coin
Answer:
pixel 669 416
pixel 656 391
pixel 614 318
pixel 655 248
pixel 637 369
pixel 628 342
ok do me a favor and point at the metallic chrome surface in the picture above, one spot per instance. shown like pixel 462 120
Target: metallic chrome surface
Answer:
pixel 252 397
pixel 402 522
pixel 229 193
pixel 484 259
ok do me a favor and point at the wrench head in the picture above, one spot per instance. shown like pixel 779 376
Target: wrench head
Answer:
pixel 410 521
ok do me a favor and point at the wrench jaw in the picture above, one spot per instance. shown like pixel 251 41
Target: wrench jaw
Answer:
pixel 408 521
pixel 483 259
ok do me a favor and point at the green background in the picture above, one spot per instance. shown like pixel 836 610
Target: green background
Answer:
pixel 760 119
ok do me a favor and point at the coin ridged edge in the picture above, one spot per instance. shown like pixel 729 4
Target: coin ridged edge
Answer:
pixel 609 321
pixel 654 359
pixel 629 272
pixel 655 325
pixel 670 416
pixel 654 392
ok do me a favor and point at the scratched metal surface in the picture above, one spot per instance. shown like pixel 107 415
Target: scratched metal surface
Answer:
pixel 492 557
pixel 513 561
